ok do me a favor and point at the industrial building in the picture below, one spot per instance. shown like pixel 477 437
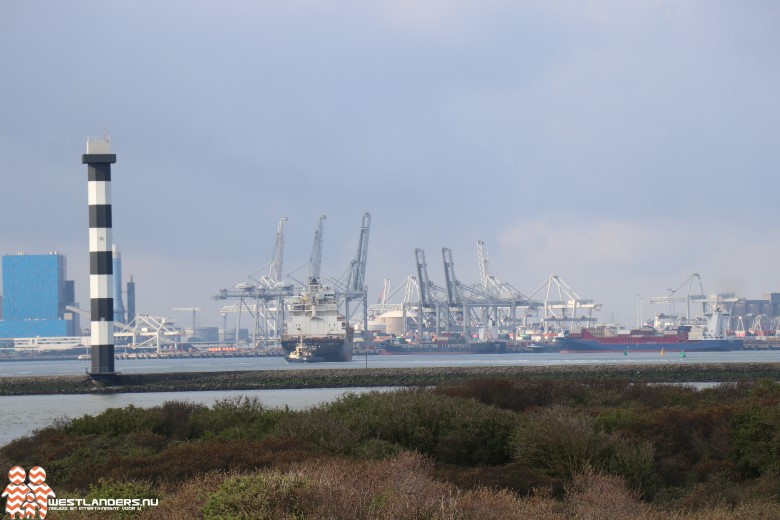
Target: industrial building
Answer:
pixel 36 294
pixel 757 316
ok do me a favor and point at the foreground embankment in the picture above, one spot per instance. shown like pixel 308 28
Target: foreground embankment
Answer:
pixel 347 378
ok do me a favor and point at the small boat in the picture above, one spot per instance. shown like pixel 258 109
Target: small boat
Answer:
pixel 293 357
pixel 304 354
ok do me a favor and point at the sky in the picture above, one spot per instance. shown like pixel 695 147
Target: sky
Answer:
pixel 619 145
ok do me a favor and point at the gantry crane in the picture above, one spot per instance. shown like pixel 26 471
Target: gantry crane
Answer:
pixel 352 285
pixel 315 260
pixel 430 299
pixel 262 292
pixel 691 296
pixel 194 311
pixel 275 269
pixel 562 305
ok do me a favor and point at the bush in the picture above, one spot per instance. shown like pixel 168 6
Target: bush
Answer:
pixel 375 449
pixel 634 462
pixel 595 495
pixel 558 441
pixel 114 422
pixel 756 440
pixel 264 495
pixel 239 417
pixel 453 430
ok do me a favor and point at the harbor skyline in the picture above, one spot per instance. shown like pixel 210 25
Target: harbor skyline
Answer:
pixel 620 147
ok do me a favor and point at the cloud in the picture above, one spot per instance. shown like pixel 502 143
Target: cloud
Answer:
pixel 612 259
pixel 597 242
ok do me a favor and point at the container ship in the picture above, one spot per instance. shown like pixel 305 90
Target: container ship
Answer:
pixel 646 339
pixel 476 347
pixel 444 343
pixel 314 329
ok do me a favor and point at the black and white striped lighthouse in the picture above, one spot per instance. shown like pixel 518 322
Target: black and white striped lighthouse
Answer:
pixel 99 160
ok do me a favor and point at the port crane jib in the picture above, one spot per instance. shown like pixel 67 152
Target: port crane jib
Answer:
pixel 315 260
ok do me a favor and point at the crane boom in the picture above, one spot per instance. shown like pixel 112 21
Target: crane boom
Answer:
pixel 426 298
pixel 357 275
pixel 275 269
pixel 315 260
pixel 453 294
pixel 484 268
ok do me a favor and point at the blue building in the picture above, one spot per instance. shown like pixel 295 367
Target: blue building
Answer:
pixel 35 296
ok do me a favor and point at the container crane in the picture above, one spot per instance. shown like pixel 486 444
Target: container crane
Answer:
pixel 269 288
pixel 275 269
pixel 426 292
pixel 356 283
pixel 484 268
pixel 691 296
pixel 453 292
pixel 315 260
pixel 357 272
pixel 561 305
pixel 194 311
pixel 430 303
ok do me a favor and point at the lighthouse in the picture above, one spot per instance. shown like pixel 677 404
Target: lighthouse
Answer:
pixel 99 160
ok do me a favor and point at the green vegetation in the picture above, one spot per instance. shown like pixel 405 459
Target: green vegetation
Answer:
pixel 483 448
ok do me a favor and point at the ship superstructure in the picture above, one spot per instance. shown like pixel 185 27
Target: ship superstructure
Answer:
pixel 314 329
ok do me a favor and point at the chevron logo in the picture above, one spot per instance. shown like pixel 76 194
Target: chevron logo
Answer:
pixel 29 499
pixel 37 475
pixel 17 475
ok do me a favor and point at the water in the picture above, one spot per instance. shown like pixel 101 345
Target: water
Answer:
pixel 147 366
pixel 23 414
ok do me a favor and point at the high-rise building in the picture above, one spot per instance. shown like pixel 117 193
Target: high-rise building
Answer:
pixel 130 300
pixel 36 293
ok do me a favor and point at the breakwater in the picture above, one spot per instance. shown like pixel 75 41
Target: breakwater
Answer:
pixel 384 377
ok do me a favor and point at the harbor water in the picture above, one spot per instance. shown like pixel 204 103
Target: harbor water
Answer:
pixel 24 414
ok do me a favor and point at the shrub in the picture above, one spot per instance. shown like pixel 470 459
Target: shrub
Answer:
pixel 689 443
pixel 172 419
pixel 264 495
pixel 235 418
pixel 595 495
pixel 114 422
pixel 558 441
pixel 375 449
pixel 454 430
pixel 184 461
pixel 756 440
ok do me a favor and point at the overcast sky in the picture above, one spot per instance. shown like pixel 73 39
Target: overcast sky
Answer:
pixel 620 145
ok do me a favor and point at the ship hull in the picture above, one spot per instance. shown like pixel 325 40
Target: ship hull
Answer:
pixel 320 349
pixel 572 345
pixel 484 347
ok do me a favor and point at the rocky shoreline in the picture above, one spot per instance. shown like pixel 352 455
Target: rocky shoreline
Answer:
pixel 381 377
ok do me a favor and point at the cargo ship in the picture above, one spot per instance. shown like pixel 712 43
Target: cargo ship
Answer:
pixel 314 331
pixel 646 339
pixel 448 343
pixel 475 347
